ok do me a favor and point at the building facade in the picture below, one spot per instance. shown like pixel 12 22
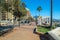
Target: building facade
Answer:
pixel 6 14
pixel 43 20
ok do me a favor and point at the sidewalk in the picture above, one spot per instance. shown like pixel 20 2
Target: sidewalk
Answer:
pixel 22 33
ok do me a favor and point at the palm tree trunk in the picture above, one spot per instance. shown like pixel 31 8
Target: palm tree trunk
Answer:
pixel 51 15
pixel 39 13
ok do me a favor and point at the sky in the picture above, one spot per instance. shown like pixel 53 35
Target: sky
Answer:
pixel 45 4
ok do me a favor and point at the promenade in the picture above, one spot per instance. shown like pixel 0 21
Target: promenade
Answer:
pixel 25 32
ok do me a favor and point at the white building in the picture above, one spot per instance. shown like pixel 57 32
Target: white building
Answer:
pixel 46 20
pixel 43 20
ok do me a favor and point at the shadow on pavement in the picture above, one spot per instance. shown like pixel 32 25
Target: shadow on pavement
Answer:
pixel 41 36
pixel 46 36
pixel 5 29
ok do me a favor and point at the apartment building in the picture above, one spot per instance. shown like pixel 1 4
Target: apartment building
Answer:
pixel 6 15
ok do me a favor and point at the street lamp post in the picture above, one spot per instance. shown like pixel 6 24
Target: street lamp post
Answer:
pixel 51 14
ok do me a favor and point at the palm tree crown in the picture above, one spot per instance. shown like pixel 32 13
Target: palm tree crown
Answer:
pixel 39 8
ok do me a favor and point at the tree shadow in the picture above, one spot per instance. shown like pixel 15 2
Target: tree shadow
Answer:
pixel 45 36
pixel 41 36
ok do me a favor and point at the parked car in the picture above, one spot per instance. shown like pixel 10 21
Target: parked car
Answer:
pixel 22 21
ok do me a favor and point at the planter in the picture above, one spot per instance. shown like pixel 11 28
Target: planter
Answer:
pixel 38 32
pixel 42 30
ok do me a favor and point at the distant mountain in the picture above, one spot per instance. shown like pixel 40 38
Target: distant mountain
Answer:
pixel 35 16
pixel 56 20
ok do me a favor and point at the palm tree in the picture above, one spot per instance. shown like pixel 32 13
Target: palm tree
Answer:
pixel 39 9
pixel 51 15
